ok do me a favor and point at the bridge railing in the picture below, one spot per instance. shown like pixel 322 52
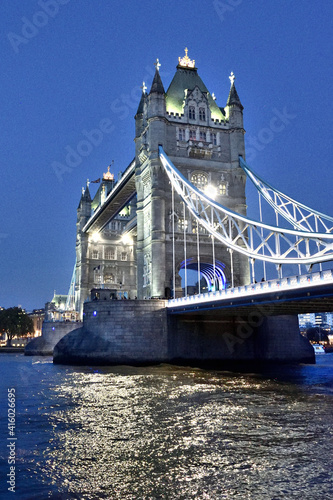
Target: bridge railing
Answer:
pixel 288 283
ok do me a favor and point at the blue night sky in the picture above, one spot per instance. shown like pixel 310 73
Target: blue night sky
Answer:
pixel 85 62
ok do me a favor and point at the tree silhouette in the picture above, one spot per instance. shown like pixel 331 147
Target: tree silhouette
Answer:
pixel 15 322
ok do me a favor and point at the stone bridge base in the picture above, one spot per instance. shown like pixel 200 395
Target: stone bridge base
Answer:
pixel 138 332
pixel 52 332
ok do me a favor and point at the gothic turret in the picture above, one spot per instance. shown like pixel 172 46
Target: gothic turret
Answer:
pixel 140 118
pixel 157 85
pixel 234 107
pixel 156 97
pixel 84 208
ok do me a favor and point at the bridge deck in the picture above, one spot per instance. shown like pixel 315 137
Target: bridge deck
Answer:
pixel 120 195
pixel 293 295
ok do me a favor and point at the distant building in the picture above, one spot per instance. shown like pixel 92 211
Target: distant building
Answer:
pixel 37 316
pixel 57 310
pixel 322 319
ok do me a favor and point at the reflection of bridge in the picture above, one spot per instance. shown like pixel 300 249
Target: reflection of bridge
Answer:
pixel 186 191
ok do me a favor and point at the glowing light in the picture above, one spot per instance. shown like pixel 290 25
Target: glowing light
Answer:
pixel 107 176
pixel 95 313
pixel 210 191
pixel 126 239
pixel 96 237
pixel 186 62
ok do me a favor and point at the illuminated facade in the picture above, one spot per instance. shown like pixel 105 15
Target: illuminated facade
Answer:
pixel 204 141
pixel 105 259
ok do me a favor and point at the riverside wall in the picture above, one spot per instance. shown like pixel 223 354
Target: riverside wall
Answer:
pixel 137 332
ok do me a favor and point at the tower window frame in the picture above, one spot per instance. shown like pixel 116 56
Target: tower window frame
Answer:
pixel 202 114
pixel 199 180
pixel 191 112
pixel 181 134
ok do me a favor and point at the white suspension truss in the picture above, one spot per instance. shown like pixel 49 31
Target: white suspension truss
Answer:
pixel 248 237
pixel 298 215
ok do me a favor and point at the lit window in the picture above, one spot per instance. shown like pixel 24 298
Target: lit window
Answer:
pixel 110 254
pixel 191 113
pixel 199 180
pixel 182 224
pixel 109 278
pixel 202 136
pixel 223 188
pixel 202 114
pixel 181 134
pixel 193 135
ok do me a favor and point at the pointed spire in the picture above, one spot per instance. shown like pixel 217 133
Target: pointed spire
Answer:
pixel 142 100
pixel 157 85
pixel 233 98
pixel 86 194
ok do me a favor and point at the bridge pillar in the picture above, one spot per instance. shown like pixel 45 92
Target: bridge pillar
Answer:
pixel 220 342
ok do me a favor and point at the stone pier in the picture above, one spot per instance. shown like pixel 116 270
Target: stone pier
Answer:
pixel 139 332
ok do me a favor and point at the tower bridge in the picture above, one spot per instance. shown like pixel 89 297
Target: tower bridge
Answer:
pixel 180 208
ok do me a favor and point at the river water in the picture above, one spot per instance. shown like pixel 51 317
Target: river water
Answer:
pixel 167 432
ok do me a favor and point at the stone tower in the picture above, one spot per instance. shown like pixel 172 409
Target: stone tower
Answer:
pixel 204 141
pixel 105 258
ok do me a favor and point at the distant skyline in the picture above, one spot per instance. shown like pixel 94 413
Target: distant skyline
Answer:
pixel 71 83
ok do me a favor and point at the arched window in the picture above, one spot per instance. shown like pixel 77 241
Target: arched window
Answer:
pixel 193 134
pixel 203 136
pixel 199 180
pixel 191 113
pixel 223 188
pixel 181 134
pixel 202 114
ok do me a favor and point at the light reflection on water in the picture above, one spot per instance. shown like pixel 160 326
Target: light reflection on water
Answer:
pixel 171 433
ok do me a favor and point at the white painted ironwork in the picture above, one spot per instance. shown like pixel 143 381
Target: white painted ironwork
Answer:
pixel 298 215
pixel 292 283
pixel 249 237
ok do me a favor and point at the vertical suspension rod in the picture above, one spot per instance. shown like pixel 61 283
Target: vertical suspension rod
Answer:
pixel 173 243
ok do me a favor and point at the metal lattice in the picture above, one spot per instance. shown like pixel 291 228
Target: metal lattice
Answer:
pixel 257 240
pixel 298 215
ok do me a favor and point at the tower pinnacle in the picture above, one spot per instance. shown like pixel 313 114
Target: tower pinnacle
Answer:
pixel 186 62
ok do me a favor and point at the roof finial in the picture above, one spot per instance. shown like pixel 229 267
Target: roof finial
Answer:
pixel 213 96
pixel 88 182
pixel 157 64
pixel 144 87
pixel 186 62
pixel 232 78
pixel 108 176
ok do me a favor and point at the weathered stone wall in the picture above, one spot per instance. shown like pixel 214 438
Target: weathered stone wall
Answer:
pixel 52 332
pixel 140 332
pixel 214 341
pixel 117 332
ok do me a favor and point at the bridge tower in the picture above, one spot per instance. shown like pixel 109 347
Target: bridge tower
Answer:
pixel 204 141
pixel 82 287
